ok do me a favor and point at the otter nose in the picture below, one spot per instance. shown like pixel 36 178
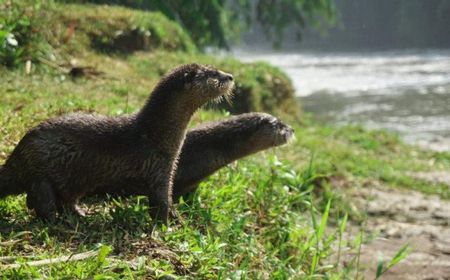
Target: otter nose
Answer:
pixel 228 77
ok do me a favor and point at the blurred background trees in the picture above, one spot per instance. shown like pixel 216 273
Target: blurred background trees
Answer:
pixel 380 24
pixel 343 24
pixel 219 23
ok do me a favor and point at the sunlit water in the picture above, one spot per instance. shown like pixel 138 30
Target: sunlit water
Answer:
pixel 403 91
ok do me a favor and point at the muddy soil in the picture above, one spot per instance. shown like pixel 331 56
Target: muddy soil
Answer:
pixel 396 217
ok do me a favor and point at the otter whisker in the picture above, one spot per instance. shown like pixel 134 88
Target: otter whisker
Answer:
pixel 218 99
pixel 228 96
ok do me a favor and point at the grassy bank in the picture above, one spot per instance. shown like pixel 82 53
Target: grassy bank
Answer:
pixel 269 216
pixel 87 40
pixel 253 219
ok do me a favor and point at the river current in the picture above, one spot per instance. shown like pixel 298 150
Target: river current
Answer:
pixel 407 92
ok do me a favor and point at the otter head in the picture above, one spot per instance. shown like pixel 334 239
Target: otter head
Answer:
pixel 212 83
pixel 270 131
pixel 195 84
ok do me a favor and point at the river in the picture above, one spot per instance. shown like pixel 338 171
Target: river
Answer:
pixel 407 92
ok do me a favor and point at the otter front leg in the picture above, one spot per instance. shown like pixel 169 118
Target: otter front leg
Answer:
pixel 42 199
pixel 160 202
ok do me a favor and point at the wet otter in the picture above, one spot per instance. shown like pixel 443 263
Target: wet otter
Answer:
pixel 212 146
pixel 60 160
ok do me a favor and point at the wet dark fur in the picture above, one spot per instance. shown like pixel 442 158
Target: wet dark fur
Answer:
pixel 212 146
pixel 62 159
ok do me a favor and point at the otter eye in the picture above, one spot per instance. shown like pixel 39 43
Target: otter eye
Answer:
pixel 189 76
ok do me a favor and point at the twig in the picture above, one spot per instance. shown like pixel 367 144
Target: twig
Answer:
pixel 7 259
pixel 13 258
pixel 70 258
pixel 9 243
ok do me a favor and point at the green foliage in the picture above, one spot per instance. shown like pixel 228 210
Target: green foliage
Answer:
pixel 401 254
pixel 20 37
pixel 219 22
pixel 276 16
pixel 246 221
pixel 117 29
pixel 42 30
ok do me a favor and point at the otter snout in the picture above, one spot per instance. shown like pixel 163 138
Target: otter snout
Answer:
pixel 285 133
pixel 226 77
pixel 289 133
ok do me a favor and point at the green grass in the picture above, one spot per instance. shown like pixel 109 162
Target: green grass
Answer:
pixel 244 221
pixel 368 157
pixel 250 220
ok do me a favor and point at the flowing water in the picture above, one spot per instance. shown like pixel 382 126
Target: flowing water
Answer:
pixel 404 91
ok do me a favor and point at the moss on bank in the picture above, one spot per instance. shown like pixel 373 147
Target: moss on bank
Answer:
pixel 117 29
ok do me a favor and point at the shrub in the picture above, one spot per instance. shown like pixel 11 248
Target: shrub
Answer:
pixel 20 37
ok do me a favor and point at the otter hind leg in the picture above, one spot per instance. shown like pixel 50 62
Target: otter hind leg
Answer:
pixel 41 197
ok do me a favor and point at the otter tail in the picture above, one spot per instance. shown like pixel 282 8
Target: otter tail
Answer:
pixel 7 184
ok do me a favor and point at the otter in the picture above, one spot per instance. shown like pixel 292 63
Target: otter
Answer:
pixel 214 145
pixel 57 162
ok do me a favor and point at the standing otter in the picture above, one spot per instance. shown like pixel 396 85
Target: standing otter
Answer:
pixel 212 146
pixel 60 160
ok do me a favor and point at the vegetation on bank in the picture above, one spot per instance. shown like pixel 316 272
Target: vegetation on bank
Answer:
pixel 82 37
pixel 279 214
pixel 253 219
pixel 219 23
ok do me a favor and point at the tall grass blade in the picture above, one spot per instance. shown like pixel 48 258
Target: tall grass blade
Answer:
pixel 342 227
pixel 401 254
pixel 380 266
pixel 323 222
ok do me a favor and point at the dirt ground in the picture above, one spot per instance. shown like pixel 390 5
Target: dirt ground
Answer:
pixel 397 217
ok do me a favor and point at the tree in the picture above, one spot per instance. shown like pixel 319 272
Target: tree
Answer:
pixel 220 22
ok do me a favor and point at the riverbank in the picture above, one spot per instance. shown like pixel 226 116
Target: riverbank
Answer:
pixel 239 218
pixel 279 214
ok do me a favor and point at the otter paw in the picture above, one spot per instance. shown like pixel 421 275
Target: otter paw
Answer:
pixel 74 209
pixel 79 211
pixel 41 199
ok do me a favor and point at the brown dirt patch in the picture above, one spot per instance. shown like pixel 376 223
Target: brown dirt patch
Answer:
pixel 397 217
